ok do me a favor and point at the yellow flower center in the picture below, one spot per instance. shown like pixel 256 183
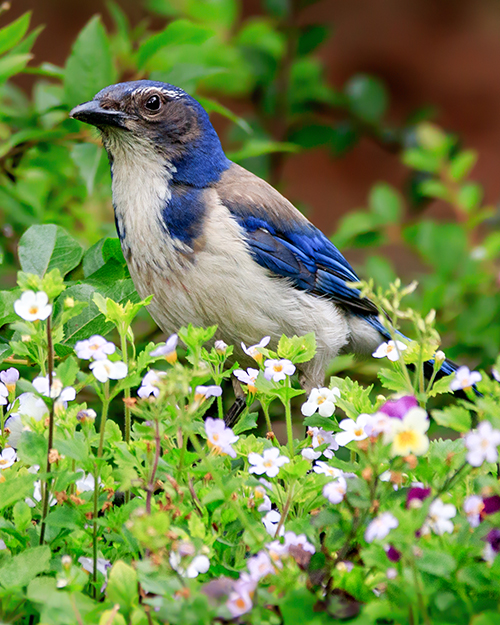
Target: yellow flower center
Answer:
pixel 408 437
pixel 268 463
pixel 390 348
pixel 2 462
pixel 321 399
pixel 321 440
pixel 33 310
pixel 94 346
pixel 240 603
pixel 215 437
pixel 278 368
pixel 359 431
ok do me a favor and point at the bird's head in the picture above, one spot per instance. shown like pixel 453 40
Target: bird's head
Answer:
pixel 155 116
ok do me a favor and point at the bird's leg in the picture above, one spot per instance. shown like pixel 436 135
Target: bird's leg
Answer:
pixel 239 404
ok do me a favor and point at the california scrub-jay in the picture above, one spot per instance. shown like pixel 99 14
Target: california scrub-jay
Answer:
pixel 214 243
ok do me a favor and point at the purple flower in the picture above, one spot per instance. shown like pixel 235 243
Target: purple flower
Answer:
pixel 397 408
pixel 492 547
pixel 491 504
pixel 392 553
pixel 416 495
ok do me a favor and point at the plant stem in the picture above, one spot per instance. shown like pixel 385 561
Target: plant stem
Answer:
pixel 220 407
pixel 151 483
pixel 289 428
pixel 126 391
pixel 265 410
pixel 104 415
pixel 45 482
pixel 286 509
pixel 94 530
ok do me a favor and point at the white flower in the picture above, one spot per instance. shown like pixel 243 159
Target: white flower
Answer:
pixel 37 492
pixel 325 469
pixel 322 437
pixel 259 566
pixel 9 377
pixel 7 458
pixel 57 391
pixel 88 565
pixel 95 347
pixel 321 400
pixel 2 545
pixel 254 350
pixel 271 521
pixel 496 374
pixel 260 493
pixel 277 370
pixel 391 349
pixel 33 306
pixel 354 430
pixel 105 370
pixel 380 526
pixel 391 573
pixel 29 405
pixel 247 377
pixel 240 601
pixel 380 423
pixel 473 506
pixel 199 564
pixel 439 518
pixel 309 454
pixel 219 437
pixel 408 435
pixel 204 392
pixel 167 350
pixel 150 383
pixel 86 483
pixel 294 540
pixel 335 491
pixel 464 379
pixel 269 463
pixel 482 444
pixel 4 394
pixel 220 347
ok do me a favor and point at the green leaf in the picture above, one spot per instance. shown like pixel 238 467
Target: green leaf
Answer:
pixel 73 447
pixel 462 164
pixel 14 490
pixel 455 417
pixel 441 386
pixel 298 349
pixel 90 66
pixel 13 64
pixel 367 97
pixel 311 37
pixel 46 247
pixel 65 517
pixel 437 563
pixel 22 516
pixel 259 147
pixel 87 157
pixel 11 34
pixel 67 370
pixel 386 202
pixel 393 379
pixel 421 160
pixel 122 586
pixel 7 299
pixel 32 448
pixel 470 196
pixel 21 569
pixel 248 422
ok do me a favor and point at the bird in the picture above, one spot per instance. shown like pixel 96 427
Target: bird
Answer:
pixel 217 245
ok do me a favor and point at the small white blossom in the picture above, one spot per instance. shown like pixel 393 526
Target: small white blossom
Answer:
pixel 482 444
pixel 220 347
pixel 247 377
pixel 391 573
pixel 9 377
pixel 168 350
pixel 27 405
pixel 325 469
pixel 271 521
pixel 4 394
pixel 269 463
pixel 7 458
pixel 473 506
pixel 278 370
pixel 309 454
pixel 57 391
pixel 321 400
pixel 408 435
pixel 353 430
pixel 150 383
pixel 204 392
pixel 439 518
pixel 219 437
pixel 240 599
pixel 37 491
pixel 32 306
pixel 391 350
pixel 259 566
pixel 380 527
pixel 495 373
pixel 105 370
pixel 464 379
pixel 88 565
pixel 300 540
pixel 320 437
pixel 199 564
pixel 260 494
pixel 86 483
pixel 254 350
pixel 335 491
pixel 96 347
pixel 380 423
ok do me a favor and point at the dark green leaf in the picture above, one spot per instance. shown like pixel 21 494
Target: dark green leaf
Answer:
pixel 46 247
pixel 21 569
pixel 86 157
pixel 367 97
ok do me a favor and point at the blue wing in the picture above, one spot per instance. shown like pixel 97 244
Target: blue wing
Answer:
pixel 283 241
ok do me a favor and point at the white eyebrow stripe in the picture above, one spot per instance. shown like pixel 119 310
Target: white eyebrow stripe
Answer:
pixel 168 92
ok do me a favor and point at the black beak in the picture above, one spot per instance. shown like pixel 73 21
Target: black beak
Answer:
pixel 92 113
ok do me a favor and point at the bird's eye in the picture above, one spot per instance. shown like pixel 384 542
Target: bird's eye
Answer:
pixel 153 103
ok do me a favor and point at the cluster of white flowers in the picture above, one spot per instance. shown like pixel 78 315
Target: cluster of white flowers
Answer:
pixel 150 384
pixel 321 400
pixel 186 562
pixel 482 444
pixel 269 463
pixel 97 349
pixel 319 438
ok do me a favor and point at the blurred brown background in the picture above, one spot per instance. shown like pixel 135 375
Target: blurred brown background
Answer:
pixel 444 53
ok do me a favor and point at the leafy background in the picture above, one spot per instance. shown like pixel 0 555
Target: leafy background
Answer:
pixel 323 101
